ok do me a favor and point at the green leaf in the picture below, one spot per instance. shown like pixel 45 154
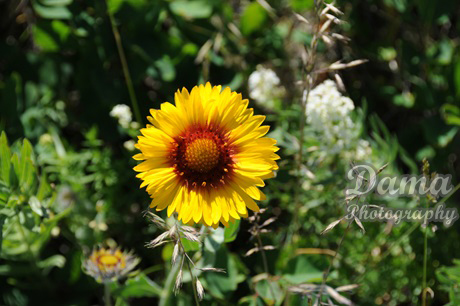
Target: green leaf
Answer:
pixel 51 12
pixel 214 241
pixel 44 40
pixel 231 231
pixel 26 167
pixel 451 113
pixel 56 2
pixel 5 157
pixel 2 221
pixel 53 261
pixel 140 286
pixel 457 76
pixel 190 245
pixel 166 68
pixel 222 284
pixel 253 18
pixel 302 5
pixel 300 270
pixel 14 171
pixel 36 206
pixel 44 188
pixel 270 291
pixel 62 29
pixel 406 99
pixel 191 9
pixel 114 5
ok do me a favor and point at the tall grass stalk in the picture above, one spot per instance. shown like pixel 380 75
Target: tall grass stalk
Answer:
pixel 124 65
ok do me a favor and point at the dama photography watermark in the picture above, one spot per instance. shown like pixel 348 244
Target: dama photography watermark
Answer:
pixel 365 179
pixel 380 213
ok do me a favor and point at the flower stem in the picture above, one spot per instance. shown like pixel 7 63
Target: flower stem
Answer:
pixel 107 299
pixel 124 65
pixel 425 259
pixel 328 271
pixel 264 260
pixel 195 294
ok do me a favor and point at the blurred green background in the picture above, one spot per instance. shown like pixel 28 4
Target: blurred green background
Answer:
pixel 72 186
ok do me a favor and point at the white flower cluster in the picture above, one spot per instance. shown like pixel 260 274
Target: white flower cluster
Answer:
pixel 264 86
pixel 329 114
pixel 123 114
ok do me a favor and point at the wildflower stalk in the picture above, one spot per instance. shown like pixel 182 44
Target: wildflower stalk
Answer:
pixel 195 292
pixel 260 248
pixel 192 277
pixel 309 79
pixel 124 65
pixel 107 298
pixel 168 288
pixel 425 261
pixel 328 271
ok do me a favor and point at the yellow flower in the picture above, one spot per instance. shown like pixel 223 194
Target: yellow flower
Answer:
pixel 107 264
pixel 205 157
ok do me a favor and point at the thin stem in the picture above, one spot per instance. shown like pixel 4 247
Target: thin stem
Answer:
pixel 309 77
pixel 264 258
pixel 189 260
pixel 197 301
pixel 328 271
pixel 124 65
pixel 425 259
pixel 107 298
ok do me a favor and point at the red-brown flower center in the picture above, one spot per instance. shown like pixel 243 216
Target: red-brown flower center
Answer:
pixel 202 157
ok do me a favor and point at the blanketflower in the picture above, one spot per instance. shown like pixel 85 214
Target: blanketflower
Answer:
pixel 107 264
pixel 206 156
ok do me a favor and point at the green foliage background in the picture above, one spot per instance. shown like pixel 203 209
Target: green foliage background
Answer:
pixel 67 182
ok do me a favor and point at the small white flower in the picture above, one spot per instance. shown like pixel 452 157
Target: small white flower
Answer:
pixel 329 114
pixel 363 150
pixel 122 112
pixel 129 145
pixel 264 86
